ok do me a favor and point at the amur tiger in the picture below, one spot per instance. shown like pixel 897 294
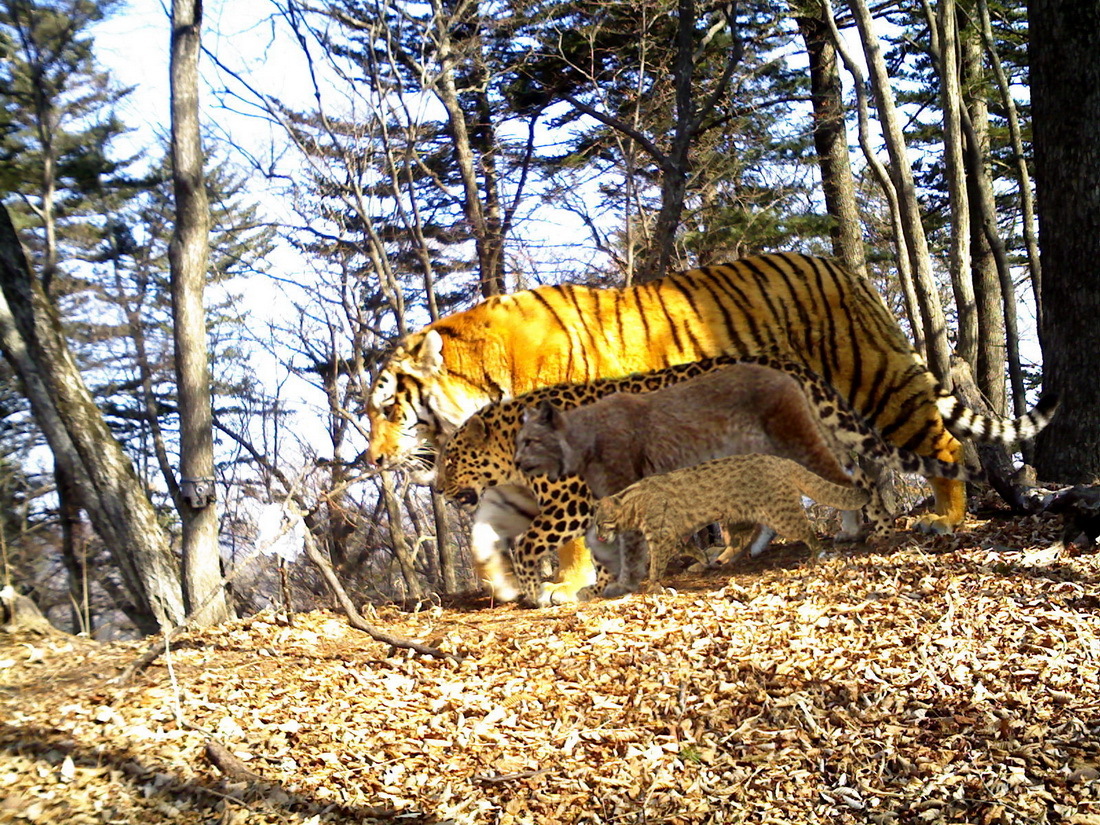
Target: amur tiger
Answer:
pixel 787 305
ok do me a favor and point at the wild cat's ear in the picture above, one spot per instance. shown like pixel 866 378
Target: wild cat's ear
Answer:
pixel 551 416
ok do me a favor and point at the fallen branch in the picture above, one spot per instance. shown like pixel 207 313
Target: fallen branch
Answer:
pixel 220 757
pixel 355 619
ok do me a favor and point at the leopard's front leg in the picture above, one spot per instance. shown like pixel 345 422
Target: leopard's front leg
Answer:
pixel 545 535
pixel 565 511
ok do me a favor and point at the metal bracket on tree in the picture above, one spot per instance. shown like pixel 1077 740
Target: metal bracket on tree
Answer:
pixel 197 492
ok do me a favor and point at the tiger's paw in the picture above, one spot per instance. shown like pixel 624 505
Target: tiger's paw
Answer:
pixel 558 593
pixel 935 524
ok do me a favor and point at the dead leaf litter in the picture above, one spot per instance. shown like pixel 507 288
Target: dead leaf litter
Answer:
pixel 946 680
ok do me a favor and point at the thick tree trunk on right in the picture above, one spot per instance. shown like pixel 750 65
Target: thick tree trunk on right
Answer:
pixel 1065 77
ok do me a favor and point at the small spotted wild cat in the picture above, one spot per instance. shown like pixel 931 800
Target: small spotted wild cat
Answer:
pixel 668 508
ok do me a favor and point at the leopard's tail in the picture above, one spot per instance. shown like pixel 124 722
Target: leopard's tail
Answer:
pixel 963 422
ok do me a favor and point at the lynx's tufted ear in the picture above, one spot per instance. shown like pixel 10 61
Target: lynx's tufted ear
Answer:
pixel 547 415
pixel 428 355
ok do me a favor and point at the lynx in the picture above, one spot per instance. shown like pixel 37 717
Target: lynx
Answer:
pixel 669 507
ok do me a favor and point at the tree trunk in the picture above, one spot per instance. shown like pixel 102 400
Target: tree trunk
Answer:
pixel 674 169
pixel 490 249
pixel 945 53
pixel 932 318
pixel 831 143
pixel 204 592
pixel 72 550
pixel 448 564
pixel 1064 43
pixel 406 555
pixel 882 177
pixel 989 369
pixel 1027 202
pixel 109 488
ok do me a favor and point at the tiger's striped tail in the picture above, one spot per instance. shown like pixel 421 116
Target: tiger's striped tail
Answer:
pixel 963 422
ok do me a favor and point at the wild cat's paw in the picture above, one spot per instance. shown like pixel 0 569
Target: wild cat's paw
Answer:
pixel 615 590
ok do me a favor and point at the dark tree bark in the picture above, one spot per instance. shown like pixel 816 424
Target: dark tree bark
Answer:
pixel 831 142
pixel 109 489
pixel 1065 79
pixel 204 592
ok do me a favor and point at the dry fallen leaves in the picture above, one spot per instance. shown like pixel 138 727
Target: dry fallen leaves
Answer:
pixel 952 679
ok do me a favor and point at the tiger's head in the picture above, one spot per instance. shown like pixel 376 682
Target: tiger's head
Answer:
pixel 417 400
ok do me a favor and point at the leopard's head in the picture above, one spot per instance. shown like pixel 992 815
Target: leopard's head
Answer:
pixel 477 456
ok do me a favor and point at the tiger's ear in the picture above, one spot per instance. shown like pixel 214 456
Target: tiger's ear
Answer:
pixel 429 353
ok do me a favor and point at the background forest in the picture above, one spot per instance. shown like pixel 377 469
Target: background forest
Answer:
pixel 371 166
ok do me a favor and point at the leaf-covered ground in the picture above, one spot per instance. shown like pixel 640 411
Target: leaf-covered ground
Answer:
pixel 941 680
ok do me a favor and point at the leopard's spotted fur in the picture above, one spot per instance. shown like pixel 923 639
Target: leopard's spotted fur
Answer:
pixel 476 468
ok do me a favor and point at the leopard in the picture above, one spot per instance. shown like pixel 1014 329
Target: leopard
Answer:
pixel 475 467
pixel 668 507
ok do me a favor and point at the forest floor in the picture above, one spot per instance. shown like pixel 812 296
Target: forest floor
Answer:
pixel 941 680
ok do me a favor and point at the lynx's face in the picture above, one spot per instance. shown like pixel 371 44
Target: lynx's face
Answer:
pixel 538 446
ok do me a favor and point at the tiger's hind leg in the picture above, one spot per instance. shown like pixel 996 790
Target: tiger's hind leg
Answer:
pixel 575 572
pixel 950 493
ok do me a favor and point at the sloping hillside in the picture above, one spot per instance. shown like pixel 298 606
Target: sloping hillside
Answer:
pixel 941 680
